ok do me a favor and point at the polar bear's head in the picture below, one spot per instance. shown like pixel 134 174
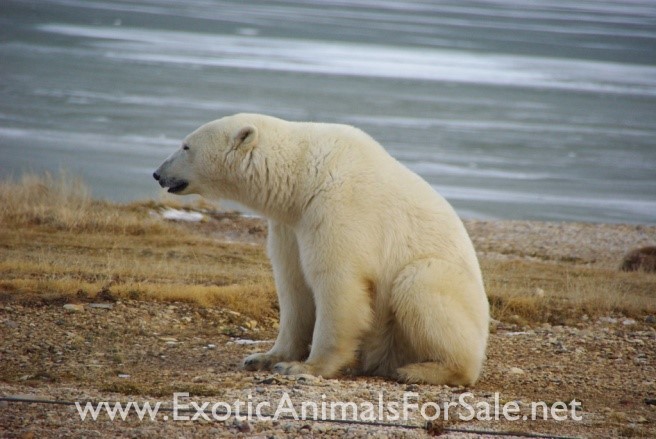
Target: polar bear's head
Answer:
pixel 211 159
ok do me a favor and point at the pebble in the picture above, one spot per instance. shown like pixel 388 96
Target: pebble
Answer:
pixel 73 307
pixel 101 305
pixel 306 378
pixel 11 324
pixel 287 427
pixel 517 371
pixel 168 339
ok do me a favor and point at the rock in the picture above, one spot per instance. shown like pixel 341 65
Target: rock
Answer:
pixel 270 380
pixel 517 371
pixel 123 375
pixel 101 305
pixel 168 339
pixel 305 378
pixel 73 307
pixel 650 319
pixel 586 333
pixel 11 324
pixel 640 259
pixel 243 426
pixel 628 322
pixel 211 346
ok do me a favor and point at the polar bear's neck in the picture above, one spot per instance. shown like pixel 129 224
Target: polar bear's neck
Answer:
pixel 278 178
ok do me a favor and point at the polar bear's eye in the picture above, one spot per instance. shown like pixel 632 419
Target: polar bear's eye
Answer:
pixel 185 147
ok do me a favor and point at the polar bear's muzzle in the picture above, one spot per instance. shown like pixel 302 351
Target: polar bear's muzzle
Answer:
pixel 177 186
pixel 174 185
pixel 171 174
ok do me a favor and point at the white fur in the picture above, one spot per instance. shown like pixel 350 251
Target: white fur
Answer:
pixel 373 268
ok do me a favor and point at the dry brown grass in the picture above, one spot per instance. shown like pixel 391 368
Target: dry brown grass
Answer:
pixel 60 245
pixel 63 203
pixel 564 293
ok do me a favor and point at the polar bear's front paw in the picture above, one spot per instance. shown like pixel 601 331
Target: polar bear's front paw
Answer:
pixel 259 361
pixel 294 368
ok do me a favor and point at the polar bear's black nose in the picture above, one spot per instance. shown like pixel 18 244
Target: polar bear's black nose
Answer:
pixel 156 176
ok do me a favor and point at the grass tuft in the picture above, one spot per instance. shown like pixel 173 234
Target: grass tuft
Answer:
pixel 63 202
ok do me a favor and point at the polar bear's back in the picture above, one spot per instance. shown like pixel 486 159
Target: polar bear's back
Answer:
pixel 390 209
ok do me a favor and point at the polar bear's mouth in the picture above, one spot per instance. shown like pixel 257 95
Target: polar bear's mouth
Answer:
pixel 178 187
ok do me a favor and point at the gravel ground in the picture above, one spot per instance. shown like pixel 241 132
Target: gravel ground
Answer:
pixel 598 245
pixel 147 351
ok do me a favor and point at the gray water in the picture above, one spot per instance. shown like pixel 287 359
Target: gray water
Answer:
pixel 513 110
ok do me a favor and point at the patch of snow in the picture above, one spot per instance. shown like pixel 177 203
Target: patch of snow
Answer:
pixel 182 215
pixel 243 341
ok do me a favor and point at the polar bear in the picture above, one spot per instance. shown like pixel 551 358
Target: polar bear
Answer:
pixel 374 270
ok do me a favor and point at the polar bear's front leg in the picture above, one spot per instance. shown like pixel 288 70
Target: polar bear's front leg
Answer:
pixel 343 316
pixel 294 298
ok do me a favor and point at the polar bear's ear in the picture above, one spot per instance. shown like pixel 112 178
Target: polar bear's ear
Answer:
pixel 246 137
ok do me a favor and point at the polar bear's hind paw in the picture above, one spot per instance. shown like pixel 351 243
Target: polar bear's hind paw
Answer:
pixel 293 368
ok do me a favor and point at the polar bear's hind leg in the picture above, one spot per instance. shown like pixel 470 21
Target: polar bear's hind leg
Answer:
pixel 442 312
